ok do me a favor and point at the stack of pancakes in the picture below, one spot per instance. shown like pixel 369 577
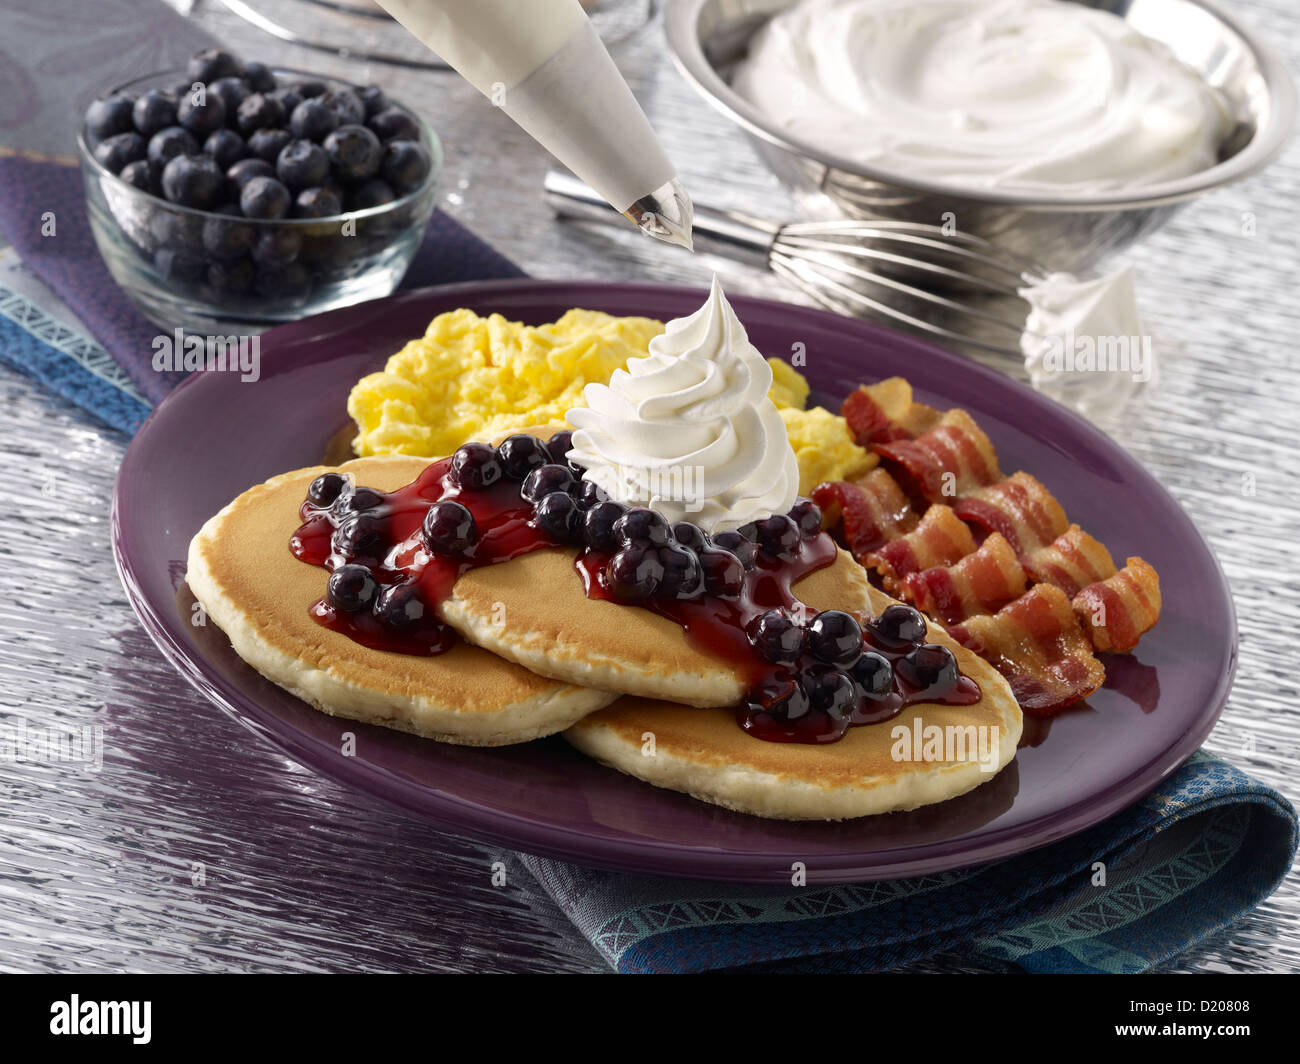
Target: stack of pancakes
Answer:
pixel 624 685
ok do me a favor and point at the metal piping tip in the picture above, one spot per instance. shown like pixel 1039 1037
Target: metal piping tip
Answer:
pixel 665 214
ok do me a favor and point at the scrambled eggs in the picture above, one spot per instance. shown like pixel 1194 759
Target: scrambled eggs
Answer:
pixel 474 378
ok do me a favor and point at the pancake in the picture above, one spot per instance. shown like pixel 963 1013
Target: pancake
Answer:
pixel 258 593
pixel 705 753
pixel 535 611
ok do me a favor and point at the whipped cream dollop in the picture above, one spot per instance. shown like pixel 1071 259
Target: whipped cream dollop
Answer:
pixel 1029 95
pixel 689 429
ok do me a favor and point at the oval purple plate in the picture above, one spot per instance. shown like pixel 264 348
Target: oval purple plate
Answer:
pixel 215 436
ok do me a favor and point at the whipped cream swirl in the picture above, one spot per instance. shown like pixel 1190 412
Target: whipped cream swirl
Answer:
pixel 689 429
pixel 1031 95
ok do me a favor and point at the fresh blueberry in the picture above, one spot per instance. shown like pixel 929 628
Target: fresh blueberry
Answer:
pixel 201 119
pixel 326 488
pixel 302 164
pixel 873 675
pixel 316 203
pixel 928 667
pixel 449 528
pixel 776 637
pixel 372 193
pixel 242 172
pixel 808 517
pixel 361 535
pixel 113 153
pixel 587 493
pixel 683 576
pixel 350 588
pixel 153 111
pixel 783 697
pixel 521 454
pixel 258 77
pixel 264 197
pixel 642 527
pixel 394 124
pixel 268 143
pixel 232 278
pixel 107 117
pixel 898 626
pixel 829 691
pixel 405 165
pixel 545 479
pixel 475 466
pixel 179 265
pixel 633 574
pixel 372 99
pixel 193 181
pixel 689 535
pixel 738 545
pixel 354 152
pixel 226 146
pixel 139 175
pixel 289 98
pixel 346 104
pixel 558 516
pixel 400 607
pixel 312 120
pixel 724 576
pixel 168 143
pixel 598 526
pixel 233 92
pixel 211 64
pixel 259 110
pixel 283 282
pixel 277 246
pixel 835 638
pixel 228 238
pixel 310 89
pixel 778 536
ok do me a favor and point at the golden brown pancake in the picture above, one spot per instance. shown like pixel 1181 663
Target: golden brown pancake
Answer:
pixel 258 593
pixel 705 753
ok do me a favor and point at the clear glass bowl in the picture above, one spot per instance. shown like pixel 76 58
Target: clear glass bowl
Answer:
pixel 172 262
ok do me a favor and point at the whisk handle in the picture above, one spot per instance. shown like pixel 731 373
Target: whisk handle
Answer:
pixel 571 198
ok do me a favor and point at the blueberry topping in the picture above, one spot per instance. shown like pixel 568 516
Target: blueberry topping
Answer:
pixel 807 516
pixel 783 697
pixel 168 143
pixel 302 164
pixel 107 117
pixel 264 197
pixel 260 111
pixel 400 607
pixel 152 112
pixel 898 626
pixel 405 165
pixel 475 466
pixel 560 444
pixel 545 479
pixel 326 488
pixel 316 203
pixel 928 667
pixel 598 526
pixel 201 119
pixel 778 536
pixel 449 528
pixel 394 124
pixel 558 516
pixel 225 146
pixel 835 638
pixel 350 588
pixel 211 64
pixel 749 531
pixel 634 573
pixel 689 535
pixel 683 576
pixel 361 499
pixel 873 675
pixel 193 181
pixel 361 535
pixel 355 153
pixel 312 120
pixel 519 455
pixel 258 77
pixel 829 691
pixel 641 527
pixel 776 637
pixel 587 493
pixel 724 575
pixel 733 542
pixel 268 143
pixel 113 153
pixel 245 170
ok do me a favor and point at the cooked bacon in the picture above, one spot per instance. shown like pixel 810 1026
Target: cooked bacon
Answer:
pixel 886 411
pixel 873 510
pixel 1037 644
pixel 1071 561
pixel 952 459
pixel 1020 507
pixel 981 582
pixel 940 539
pixel 1116 611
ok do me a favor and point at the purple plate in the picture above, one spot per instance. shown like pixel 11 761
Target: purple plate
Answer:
pixel 214 437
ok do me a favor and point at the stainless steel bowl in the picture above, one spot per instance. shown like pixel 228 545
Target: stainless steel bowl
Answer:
pixel 707 37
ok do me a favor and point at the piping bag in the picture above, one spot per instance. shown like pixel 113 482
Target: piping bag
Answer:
pixel 543 63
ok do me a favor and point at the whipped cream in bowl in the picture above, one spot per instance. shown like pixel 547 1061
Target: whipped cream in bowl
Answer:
pixel 689 430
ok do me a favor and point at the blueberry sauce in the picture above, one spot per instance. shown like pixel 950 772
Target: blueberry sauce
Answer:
pixel 394 558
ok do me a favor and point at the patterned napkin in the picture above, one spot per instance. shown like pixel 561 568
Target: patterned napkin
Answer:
pixel 1187 860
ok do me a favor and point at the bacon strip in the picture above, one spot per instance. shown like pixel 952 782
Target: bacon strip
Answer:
pixel 940 539
pixel 1037 644
pixel 981 582
pixel 1071 561
pixel 952 459
pixel 1020 508
pixel 886 411
pixel 874 510
pixel 1115 612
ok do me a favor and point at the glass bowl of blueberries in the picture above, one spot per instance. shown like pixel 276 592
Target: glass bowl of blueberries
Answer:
pixel 229 194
